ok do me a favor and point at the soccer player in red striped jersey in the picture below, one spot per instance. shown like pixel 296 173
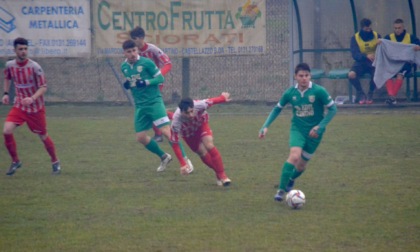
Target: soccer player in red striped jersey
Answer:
pixel 191 122
pixel 161 59
pixel 30 86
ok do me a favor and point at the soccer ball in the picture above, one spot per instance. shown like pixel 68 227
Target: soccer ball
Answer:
pixel 295 199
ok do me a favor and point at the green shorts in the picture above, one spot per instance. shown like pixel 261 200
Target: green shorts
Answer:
pixel 299 138
pixel 146 116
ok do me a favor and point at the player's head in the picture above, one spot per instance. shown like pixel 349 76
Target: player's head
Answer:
pixel 21 48
pixel 138 34
pixel 130 50
pixel 398 26
pixel 365 25
pixel 186 105
pixel 303 74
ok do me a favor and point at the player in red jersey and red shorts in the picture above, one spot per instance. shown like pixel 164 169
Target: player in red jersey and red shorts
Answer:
pixel 30 87
pixel 191 122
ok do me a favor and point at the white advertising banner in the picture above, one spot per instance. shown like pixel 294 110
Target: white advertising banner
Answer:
pixel 182 28
pixel 54 28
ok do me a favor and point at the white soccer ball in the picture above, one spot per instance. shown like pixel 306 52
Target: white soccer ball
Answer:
pixel 295 199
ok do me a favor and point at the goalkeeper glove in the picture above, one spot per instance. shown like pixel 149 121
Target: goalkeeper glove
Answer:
pixel 140 83
pixel 127 84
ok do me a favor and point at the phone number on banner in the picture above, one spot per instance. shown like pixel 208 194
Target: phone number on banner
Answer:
pixel 215 50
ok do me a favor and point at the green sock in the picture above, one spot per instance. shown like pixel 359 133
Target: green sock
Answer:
pixel 181 146
pixel 296 174
pixel 153 147
pixel 285 175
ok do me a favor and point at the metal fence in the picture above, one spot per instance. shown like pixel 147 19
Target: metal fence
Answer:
pixel 326 24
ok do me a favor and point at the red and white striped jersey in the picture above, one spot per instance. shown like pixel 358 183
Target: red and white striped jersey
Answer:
pixel 188 127
pixel 156 54
pixel 27 78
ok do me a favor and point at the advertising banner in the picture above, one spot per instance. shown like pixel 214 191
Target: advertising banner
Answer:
pixel 182 28
pixel 54 28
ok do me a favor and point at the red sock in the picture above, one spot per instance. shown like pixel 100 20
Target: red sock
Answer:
pixel 397 86
pixel 9 142
pixel 217 163
pixel 170 114
pixel 49 146
pixel 157 131
pixel 207 160
pixel 390 87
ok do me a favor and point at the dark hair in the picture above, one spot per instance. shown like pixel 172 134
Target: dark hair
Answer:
pixel 365 22
pixel 128 44
pixel 137 32
pixel 302 67
pixel 20 41
pixel 398 21
pixel 185 104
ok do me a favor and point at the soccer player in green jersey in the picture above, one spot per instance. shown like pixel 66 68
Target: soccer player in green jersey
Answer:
pixel 143 79
pixel 308 124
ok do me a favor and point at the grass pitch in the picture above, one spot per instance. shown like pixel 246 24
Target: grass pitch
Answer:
pixel 361 187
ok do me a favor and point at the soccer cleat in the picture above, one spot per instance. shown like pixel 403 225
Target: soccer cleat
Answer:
pixel 290 185
pixel 369 99
pixel 190 165
pixel 224 182
pixel 391 101
pixel 362 98
pixel 158 138
pixel 279 195
pixel 13 167
pixel 164 162
pixel 56 168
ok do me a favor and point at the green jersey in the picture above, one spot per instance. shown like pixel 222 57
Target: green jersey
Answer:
pixel 308 106
pixel 143 69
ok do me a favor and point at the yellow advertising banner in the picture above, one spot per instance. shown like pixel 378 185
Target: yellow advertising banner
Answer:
pixel 182 28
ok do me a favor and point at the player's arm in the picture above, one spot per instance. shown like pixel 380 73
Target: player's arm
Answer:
pixel 355 51
pixel 155 72
pixel 222 98
pixel 275 112
pixel 6 89
pixel 42 87
pixel 164 61
pixel 332 111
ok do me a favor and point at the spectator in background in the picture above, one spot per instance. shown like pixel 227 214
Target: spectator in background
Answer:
pixel 402 36
pixel 28 106
pixel 363 46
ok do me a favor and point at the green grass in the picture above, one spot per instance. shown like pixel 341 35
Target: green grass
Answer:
pixel 362 187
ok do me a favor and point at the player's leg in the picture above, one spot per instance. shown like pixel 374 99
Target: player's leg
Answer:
pixel 354 77
pixel 158 133
pixel 160 119
pixel 142 123
pixel 372 85
pixel 389 84
pixel 207 142
pixel 296 143
pixel 307 152
pixel 14 119
pixel 37 123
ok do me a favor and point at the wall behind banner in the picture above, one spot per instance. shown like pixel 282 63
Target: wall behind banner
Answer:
pixel 248 78
pixel 326 24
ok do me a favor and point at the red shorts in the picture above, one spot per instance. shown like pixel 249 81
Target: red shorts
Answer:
pixel 195 140
pixel 37 122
